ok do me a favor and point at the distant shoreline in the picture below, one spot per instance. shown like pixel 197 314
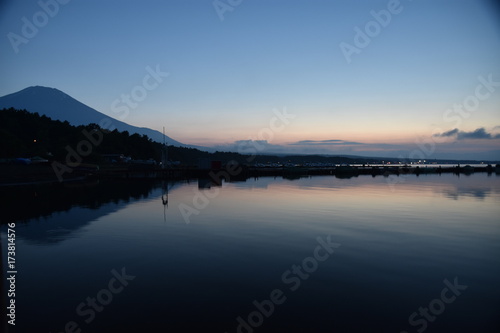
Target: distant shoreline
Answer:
pixel 15 175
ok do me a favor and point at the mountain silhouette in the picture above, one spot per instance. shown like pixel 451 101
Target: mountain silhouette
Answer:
pixel 59 106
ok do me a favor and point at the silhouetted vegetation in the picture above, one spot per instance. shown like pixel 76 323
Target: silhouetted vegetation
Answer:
pixel 26 134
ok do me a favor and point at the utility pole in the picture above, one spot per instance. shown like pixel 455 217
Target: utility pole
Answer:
pixel 164 152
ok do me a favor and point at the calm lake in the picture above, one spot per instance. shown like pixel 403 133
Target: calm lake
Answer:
pixel 316 254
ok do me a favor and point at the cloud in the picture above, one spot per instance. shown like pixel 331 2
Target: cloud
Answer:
pixel 323 143
pixel 250 147
pixel 452 132
pixel 326 147
pixel 479 133
pixel 468 148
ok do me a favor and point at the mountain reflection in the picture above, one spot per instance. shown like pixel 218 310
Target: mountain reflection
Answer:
pixel 42 200
pixel 60 211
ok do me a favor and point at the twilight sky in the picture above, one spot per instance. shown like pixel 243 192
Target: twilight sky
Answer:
pixel 373 78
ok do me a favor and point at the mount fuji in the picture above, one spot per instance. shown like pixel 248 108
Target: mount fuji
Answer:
pixel 57 105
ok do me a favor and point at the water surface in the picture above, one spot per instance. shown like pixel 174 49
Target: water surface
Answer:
pixel 202 261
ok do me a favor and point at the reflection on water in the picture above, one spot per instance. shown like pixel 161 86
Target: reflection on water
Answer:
pixel 43 200
pixel 57 211
pixel 397 246
pixel 477 187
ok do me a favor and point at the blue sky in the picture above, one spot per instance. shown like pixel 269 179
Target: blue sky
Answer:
pixel 225 77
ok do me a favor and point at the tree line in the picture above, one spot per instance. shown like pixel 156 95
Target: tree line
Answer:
pixel 25 135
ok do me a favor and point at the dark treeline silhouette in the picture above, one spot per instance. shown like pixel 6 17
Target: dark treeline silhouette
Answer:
pixel 26 134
